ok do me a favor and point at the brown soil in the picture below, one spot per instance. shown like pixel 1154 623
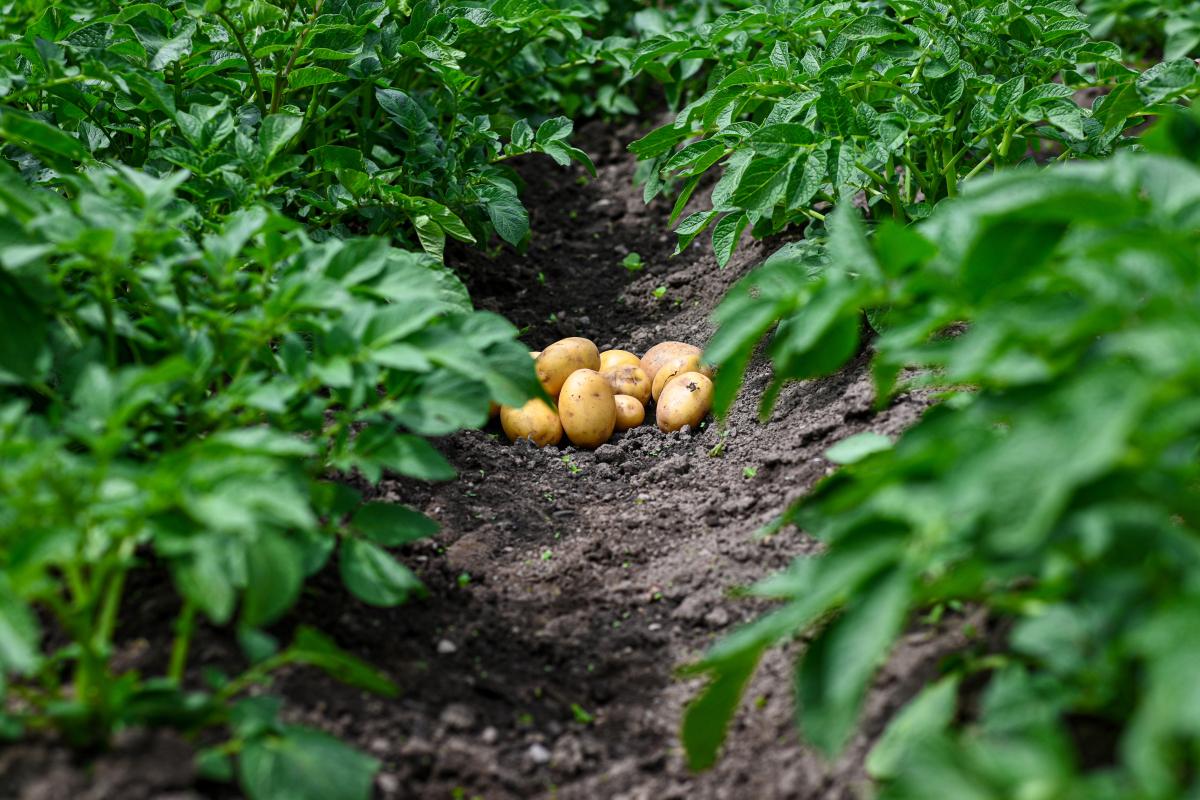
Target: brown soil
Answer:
pixel 559 585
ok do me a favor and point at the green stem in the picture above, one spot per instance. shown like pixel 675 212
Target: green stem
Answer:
pixel 948 171
pixel 568 65
pixel 237 35
pixel 280 77
pixel 1006 142
pixel 185 627
pixel 114 587
pixel 362 87
pixel 982 162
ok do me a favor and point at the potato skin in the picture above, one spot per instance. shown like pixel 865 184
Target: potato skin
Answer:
pixel 661 353
pixel 684 401
pixel 628 380
pixel 675 367
pixel 630 412
pixel 587 408
pixel 534 354
pixel 559 360
pixel 535 421
pixel 613 358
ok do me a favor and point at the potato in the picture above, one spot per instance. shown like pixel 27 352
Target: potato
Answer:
pixel 587 408
pixel 534 354
pixel 493 410
pixel 612 358
pixel 629 380
pixel 535 421
pixel 562 358
pixel 684 401
pixel 677 366
pixel 630 412
pixel 662 353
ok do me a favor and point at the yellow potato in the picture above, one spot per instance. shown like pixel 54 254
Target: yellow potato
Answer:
pixel 675 367
pixel 630 412
pixel 493 411
pixel 612 358
pixel 630 380
pixel 535 421
pixel 560 359
pixel 587 408
pixel 684 401
pixel 662 353
pixel 534 354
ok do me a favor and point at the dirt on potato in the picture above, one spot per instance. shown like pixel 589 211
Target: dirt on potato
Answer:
pixel 566 586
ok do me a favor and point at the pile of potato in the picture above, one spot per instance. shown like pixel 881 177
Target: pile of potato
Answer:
pixel 599 393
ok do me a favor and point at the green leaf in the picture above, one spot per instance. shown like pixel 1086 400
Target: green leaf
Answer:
pixel 839 662
pixel 1006 96
pixel 331 156
pixel 781 140
pixel 22 331
pixel 1166 80
pixel 726 234
pixel 857 447
pixel 316 649
pixel 276 131
pixel 706 718
pixel 43 140
pixel 875 28
pixel 763 184
pixel 373 576
pixel 413 456
pixel 20 638
pixel 806 179
pixel 392 524
pixel 691 227
pixel 274 574
pixel 659 141
pixel 1007 251
pixel 556 129
pixel 304 765
pixel 508 216
pixel 835 111
pixel 314 76
pixel 925 715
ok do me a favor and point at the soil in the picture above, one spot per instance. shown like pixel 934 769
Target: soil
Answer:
pixel 565 587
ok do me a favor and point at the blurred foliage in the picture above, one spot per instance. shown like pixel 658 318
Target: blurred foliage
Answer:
pixel 1059 491
pixel 1159 29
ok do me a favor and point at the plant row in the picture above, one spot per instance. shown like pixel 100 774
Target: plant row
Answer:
pixel 1053 483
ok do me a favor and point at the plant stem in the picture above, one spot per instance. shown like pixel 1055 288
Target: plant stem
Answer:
pixel 568 65
pixel 185 626
pixel 280 77
pixel 982 162
pixel 237 35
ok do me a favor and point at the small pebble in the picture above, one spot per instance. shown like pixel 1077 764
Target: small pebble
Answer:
pixel 717 618
pixel 686 430
pixel 489 735
pixel 584 321
pixel 538 753
pixel 446 647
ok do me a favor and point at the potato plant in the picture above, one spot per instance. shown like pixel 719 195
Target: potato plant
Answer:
pixel 1146 28
pixel 351 115
pixel 1055 483
pixel 807 104
pixel 179 397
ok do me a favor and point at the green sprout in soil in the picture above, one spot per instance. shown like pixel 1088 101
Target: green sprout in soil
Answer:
pixel 632 263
